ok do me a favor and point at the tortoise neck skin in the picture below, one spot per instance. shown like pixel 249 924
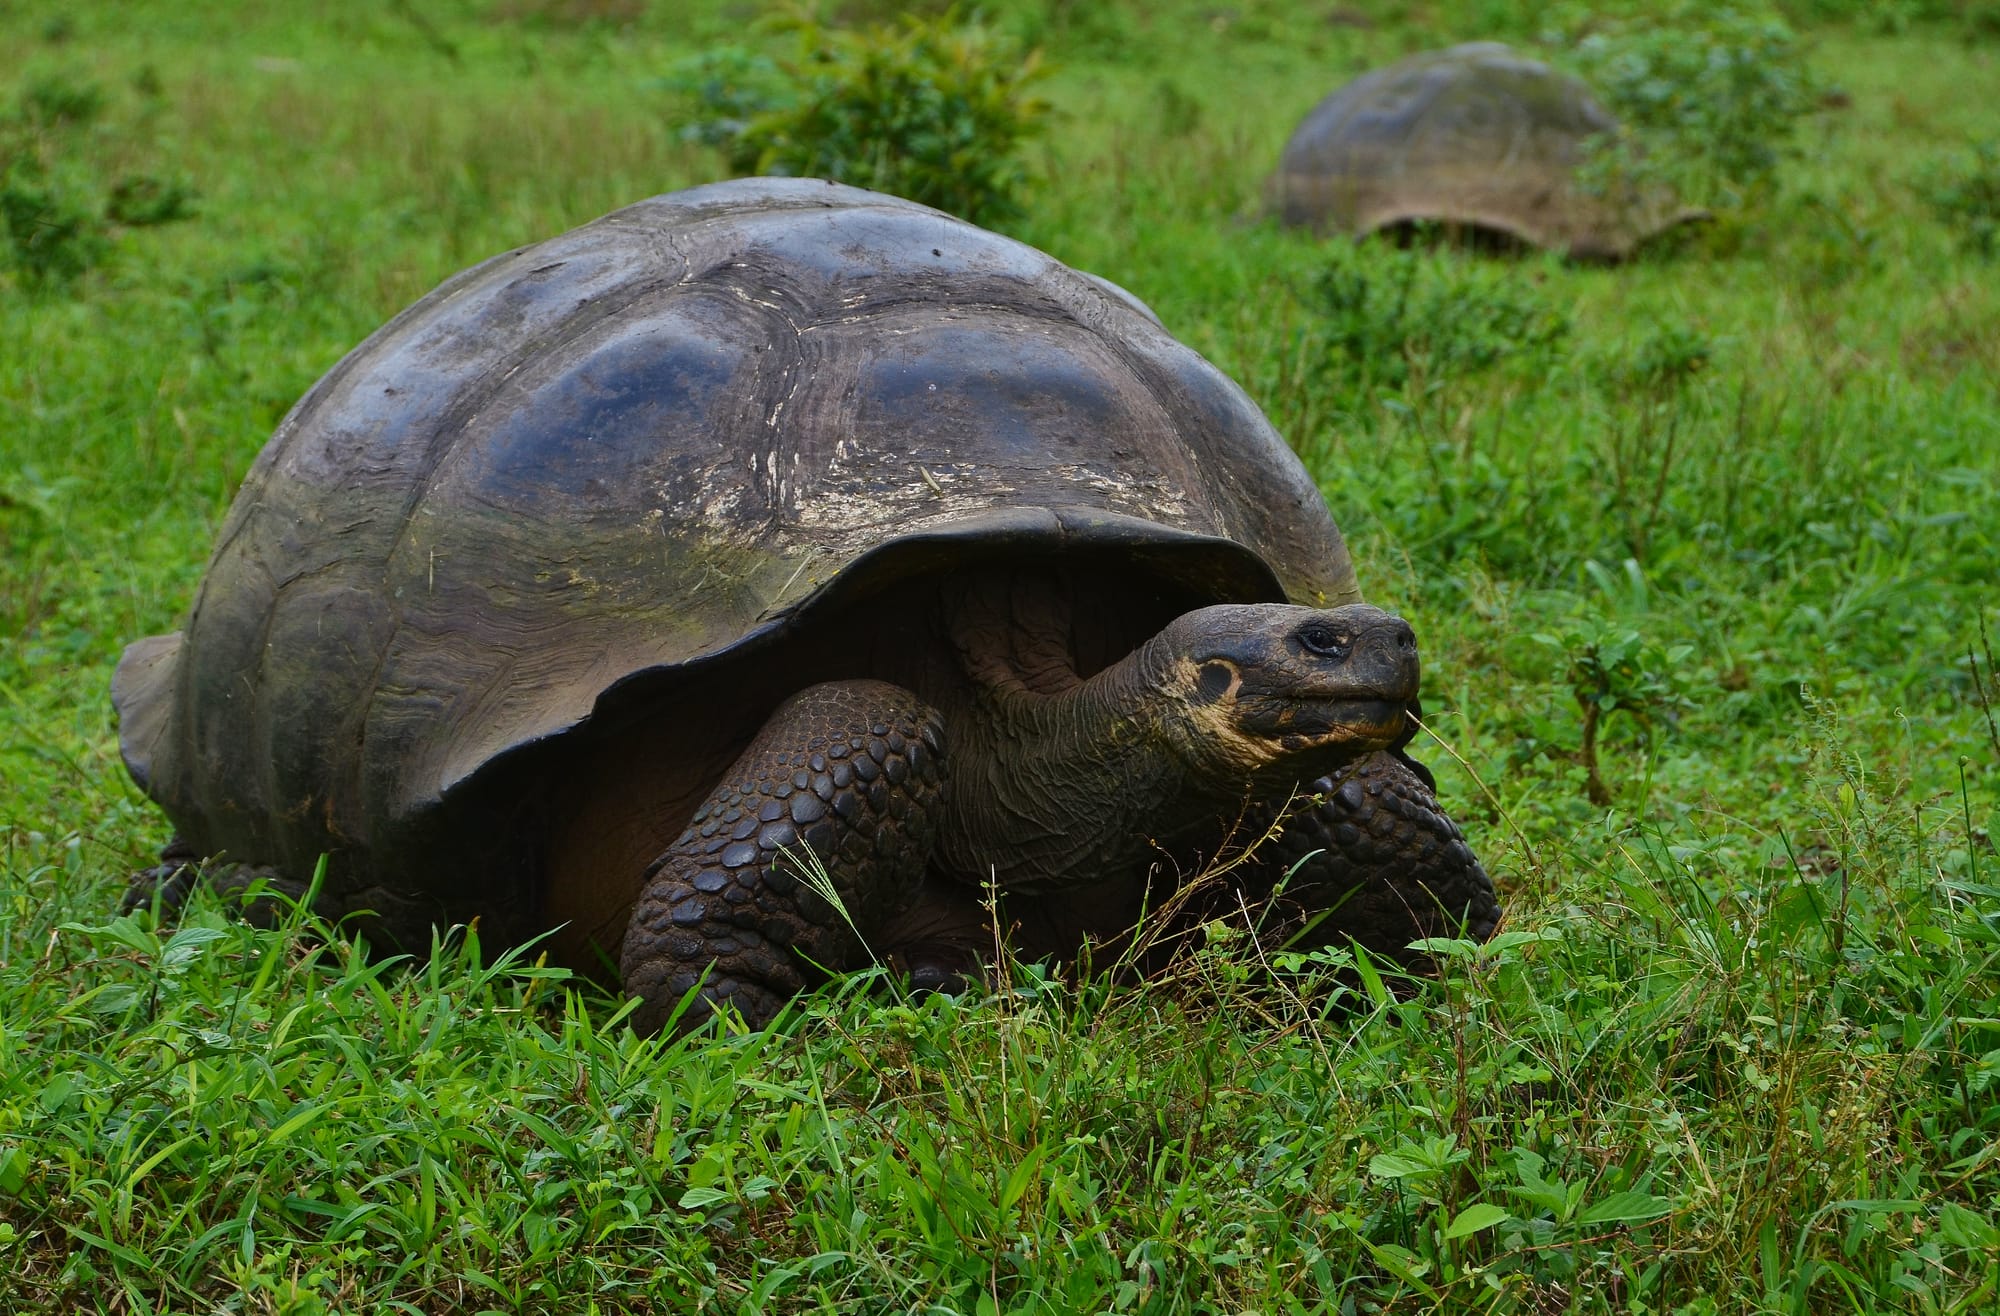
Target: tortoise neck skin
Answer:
pixel 1052 788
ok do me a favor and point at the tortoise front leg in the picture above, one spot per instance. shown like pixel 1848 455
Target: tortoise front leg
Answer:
pixel 1377 857
pixel 848 776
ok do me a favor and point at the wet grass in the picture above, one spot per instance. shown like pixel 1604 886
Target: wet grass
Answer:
pixel 1733 529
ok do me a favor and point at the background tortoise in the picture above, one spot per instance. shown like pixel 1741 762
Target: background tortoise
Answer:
pixel 1475 136
pixel 776 514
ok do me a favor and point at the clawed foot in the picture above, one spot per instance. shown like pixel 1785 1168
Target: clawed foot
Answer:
pixel 167 887
pixel 1378 853
pixel 938 969
pixel 732 967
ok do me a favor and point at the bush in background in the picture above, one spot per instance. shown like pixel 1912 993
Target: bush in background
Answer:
pixel 1710 98
pixel 927 109
pixel 1964 194
pixel 56 217
pixel 724 88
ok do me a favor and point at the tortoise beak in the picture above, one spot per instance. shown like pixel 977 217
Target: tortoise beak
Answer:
pixel 1363 724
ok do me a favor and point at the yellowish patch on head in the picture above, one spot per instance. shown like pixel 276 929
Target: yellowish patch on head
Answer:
pixel 1207 693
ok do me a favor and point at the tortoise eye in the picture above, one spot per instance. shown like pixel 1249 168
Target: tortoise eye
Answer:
pixel 1319 638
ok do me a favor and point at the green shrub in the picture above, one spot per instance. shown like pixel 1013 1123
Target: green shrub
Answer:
pixel 143 200
pixel 929 110
pixel 1964 194
pixel 1710 98
pixel 724 88
pixel 58 102
pixel 55 217
pixel 51 237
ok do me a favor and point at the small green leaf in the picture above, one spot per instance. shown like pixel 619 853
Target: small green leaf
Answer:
pixel 1024 1175
pixel 14 1167
pixel 697 1199
pixel 1404 1264
pixel 1967 1229
pixel 56 1093
pixel 185 946
pixel 114 998
pixel 1392 1165
pixel 1625 1207
pixel 299 1119
pixel 1506 941
pixel 124 930
pixel 1447 947
pixel 1371 980
pixel 1478 1216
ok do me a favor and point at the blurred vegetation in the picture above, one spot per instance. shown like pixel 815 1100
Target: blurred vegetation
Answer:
pixel 58 219
pixel 1721 551
pixel 1419 322
pixel 927 109
pixel 1964 194
pixel 1710 98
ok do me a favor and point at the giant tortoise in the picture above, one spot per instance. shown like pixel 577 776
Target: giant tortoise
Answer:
pixel 773 575
pixel 1475 137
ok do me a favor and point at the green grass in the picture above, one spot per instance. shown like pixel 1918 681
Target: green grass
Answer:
pixel 1737 1050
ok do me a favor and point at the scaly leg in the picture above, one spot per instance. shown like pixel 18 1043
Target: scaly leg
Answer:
pixel 846 776
pixel 1390 868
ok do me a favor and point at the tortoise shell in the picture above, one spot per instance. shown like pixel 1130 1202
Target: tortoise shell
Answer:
pixel 569 480
pixel 1474 136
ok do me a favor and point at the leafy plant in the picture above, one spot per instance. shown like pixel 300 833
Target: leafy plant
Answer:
pixel 930 110
pixel 1964 195
pixel 1709 98
pixel 143 200
pixel 1610 667
pixel 52 237
pixel 56 219
pixel 54 102
pixel 724 88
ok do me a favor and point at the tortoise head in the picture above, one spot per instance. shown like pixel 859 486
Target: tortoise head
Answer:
pixel 1281 694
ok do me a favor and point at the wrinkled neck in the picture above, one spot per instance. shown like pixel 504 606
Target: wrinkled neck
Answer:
pixel 1085 784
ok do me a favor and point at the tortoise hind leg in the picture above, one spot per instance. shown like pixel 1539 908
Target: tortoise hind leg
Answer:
pixel 845 778
pixel 167 887
pixel 1375 859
